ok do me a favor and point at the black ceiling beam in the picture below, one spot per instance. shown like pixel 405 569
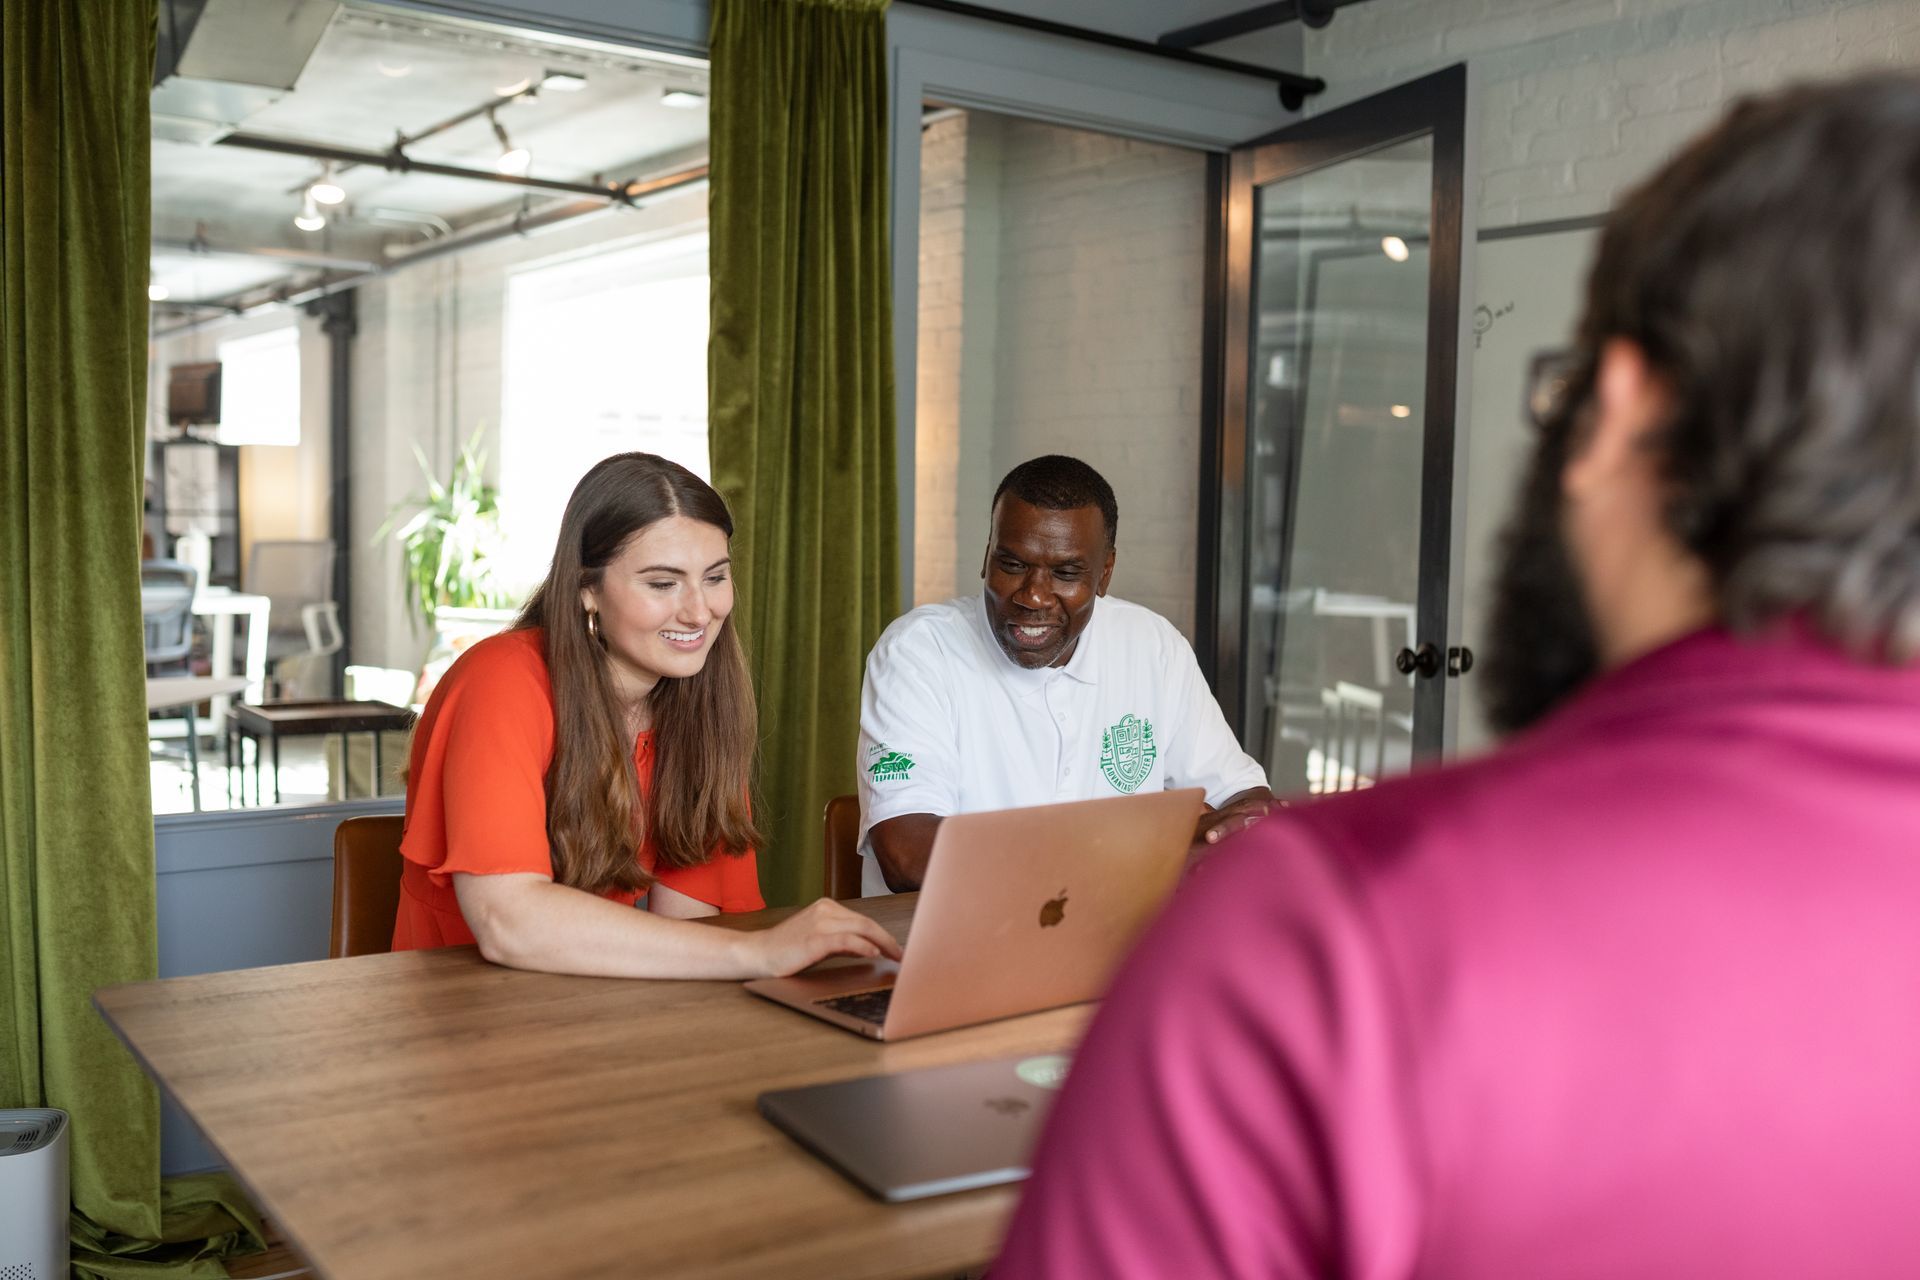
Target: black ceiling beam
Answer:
pixel 397 161
pixel 1294 87
pixel 1315 13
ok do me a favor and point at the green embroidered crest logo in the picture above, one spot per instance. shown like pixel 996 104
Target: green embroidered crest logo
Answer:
pixel 892 766
pixel 1127 753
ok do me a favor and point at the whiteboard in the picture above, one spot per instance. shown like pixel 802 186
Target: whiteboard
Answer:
pixel 1528 294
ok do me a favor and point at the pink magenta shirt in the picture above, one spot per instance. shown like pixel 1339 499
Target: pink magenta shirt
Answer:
pixel 1638 996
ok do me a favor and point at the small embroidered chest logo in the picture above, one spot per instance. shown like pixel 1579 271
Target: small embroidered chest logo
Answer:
pixel 1127 753
pixel 893 766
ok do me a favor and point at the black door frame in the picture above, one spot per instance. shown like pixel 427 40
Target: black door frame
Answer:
pixel 1433 105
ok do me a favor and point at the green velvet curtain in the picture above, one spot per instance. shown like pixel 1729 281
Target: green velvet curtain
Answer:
pixel 76 825
pixel 801 377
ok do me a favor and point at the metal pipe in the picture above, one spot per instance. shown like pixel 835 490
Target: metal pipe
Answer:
pixel 1294 87
pixel 292 257
pixel 340 323
pixel 1313 13
pixel 518 223
pixel 492 104
pixel 397 161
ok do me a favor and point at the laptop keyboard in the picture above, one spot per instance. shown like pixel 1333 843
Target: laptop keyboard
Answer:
pixel 868 1006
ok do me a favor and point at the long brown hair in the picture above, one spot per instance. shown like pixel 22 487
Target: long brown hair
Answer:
pixel 704 726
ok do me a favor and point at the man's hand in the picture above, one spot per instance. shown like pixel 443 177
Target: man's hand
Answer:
pixel 1237 814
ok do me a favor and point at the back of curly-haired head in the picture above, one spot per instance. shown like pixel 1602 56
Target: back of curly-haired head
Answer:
pixel 1769 272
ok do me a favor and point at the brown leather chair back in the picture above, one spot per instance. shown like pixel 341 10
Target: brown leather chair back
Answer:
pixel 366 885
pixel 843 847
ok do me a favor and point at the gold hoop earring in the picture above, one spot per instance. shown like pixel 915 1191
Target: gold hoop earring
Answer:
pixel 593 627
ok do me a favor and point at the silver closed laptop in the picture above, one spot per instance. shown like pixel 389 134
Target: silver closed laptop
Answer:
pixel 913 1134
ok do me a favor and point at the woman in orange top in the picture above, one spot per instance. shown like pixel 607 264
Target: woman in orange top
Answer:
pixel 595 759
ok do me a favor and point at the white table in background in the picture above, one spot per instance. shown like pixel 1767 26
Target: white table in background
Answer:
pixel 1381 612
pixel 221 606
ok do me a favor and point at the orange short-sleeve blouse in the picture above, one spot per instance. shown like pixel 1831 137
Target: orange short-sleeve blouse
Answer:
pixel 477 802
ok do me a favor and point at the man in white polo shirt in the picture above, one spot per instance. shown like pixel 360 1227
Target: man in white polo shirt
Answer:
pixel 1040 689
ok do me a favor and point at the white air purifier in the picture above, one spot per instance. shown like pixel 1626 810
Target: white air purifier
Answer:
pixel 33 1194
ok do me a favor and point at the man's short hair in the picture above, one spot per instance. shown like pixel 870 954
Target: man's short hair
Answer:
pixel 1055 482
pixel 1769 273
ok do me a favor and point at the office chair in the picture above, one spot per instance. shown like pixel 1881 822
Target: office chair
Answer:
pixel 166 613
pixel 303 621
pixel 842 847
pixel 1354 716
pixel 366 885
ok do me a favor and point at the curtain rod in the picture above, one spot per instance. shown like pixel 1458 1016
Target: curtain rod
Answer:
pixel 1294 87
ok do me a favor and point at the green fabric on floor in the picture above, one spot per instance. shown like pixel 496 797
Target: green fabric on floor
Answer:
pixel 76 825
pixel 801 378
pixel 204 1217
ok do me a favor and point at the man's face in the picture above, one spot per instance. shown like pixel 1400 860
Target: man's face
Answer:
pixel 1044 570
pixel 1541 644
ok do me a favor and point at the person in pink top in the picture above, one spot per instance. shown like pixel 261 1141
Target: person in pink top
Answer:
pixel 1638 995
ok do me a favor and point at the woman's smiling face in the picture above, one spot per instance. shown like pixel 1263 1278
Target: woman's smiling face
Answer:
pixel 661 602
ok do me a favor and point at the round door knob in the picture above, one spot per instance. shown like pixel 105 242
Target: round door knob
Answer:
pixel 1424 661
pixel 1459 661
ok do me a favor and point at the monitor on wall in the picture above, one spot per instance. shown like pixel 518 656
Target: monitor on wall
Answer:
pixel 193 394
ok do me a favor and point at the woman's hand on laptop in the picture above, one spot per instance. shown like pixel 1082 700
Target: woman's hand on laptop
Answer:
pixel 812 934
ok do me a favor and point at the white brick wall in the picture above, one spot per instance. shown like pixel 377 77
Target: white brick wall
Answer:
pixel 1070 323
pixel 1582 98
pixel 943 227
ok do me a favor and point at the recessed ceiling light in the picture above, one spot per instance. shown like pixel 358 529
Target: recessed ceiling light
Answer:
pixel 564 81
pixel 684 99
pixel 156 293
pixel 1401 411
pixel 1395 248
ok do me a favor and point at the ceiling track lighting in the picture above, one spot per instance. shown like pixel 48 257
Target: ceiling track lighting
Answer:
pixel 326 190
pixel 309 218
pixel 515 160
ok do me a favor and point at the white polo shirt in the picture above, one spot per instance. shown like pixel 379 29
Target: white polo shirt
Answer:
pixel 950 724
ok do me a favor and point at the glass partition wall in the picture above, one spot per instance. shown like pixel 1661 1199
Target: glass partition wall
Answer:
pixel 1338 406
pixel 1330 539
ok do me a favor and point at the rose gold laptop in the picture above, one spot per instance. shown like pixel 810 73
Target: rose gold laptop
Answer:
pixel 1022 909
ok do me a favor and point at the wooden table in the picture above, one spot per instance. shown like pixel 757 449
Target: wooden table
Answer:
pixel 429 1114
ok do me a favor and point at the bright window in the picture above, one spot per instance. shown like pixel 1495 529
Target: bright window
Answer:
pixel 604 354
pixel 260 388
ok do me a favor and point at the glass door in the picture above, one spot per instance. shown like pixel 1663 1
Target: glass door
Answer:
pixel 1339 284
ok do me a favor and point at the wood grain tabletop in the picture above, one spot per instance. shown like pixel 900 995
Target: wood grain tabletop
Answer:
pixel 428 1114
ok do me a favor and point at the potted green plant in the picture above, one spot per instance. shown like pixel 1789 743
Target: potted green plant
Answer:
pixel 448 542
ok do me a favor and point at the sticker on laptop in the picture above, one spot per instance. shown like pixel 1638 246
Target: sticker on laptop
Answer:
pixel 1048 1071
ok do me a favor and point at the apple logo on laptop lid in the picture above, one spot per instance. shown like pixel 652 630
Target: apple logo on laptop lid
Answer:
pixel 1053 911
